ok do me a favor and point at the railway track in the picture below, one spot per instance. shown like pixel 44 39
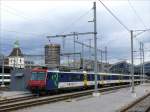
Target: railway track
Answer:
pixel 140 105
pixel 33 101
pixel 11 100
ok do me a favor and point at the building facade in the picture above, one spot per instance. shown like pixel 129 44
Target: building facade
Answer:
pixel 16 58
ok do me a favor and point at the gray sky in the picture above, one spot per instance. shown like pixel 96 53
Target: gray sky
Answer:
pixel 32 21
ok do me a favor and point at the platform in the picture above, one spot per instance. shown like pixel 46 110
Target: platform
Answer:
pixel 107 102
pixel 12 94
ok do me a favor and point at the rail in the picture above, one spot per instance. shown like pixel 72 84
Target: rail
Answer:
pixel 49 99
pixel 140 105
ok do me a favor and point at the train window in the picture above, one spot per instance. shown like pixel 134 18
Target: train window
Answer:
pixel 74 77
pixel 126 77
pixel 98 77
pixel 48 77
pixel 62 76
pixel 6 77
pixel 114 77
pixel 105 77
pixel 137 77
pixel 92 76
pixel 88 77
pixel 81 77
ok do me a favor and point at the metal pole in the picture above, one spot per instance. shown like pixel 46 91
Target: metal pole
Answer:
pixel 90 49
pixel 83 56
pixel 63 42
pixel 17 59
pixel 132 66
pixel 14 64
pixel 95 47
pixel 143 62
pixel 106 58
pixel 101 61
pixel 68 61
pixel 30 62
pixel 74 49
pixel 3 85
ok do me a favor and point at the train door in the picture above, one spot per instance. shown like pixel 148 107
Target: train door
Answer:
pixel 85 78
pixel 52 80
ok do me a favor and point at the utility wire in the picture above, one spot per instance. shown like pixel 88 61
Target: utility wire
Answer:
pixel 114 16
pixel 14 13
pixel 135 12
pixel 21 14
pixel 75 21
pixel 13 31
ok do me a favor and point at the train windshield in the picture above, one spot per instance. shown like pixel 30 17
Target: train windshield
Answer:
pixel 38 76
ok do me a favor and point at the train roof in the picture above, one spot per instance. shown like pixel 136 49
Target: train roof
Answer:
pixel 100 73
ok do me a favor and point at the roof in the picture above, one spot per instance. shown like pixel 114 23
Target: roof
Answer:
pixel 120 62
pixel 16 52
pixel 100 73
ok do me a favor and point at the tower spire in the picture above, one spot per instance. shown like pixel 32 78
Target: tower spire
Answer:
pixel 16 44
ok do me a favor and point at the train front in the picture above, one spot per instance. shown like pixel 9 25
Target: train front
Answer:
pixel 37 81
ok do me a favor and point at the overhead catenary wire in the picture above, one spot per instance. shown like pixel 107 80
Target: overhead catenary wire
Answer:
pixel 22 14
pixel 114 16
pixel 137 15
pixel 25 33
pixel 75 21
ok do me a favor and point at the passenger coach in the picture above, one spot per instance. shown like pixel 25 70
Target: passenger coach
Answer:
pixel 46 80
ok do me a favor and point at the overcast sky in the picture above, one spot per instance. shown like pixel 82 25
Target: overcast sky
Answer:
pixel 31 21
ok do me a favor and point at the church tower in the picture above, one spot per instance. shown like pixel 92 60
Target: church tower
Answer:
pixel 16 58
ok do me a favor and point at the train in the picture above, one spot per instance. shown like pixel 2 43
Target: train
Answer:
pixel 47 80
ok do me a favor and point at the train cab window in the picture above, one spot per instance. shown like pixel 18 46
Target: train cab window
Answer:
pixel 38 75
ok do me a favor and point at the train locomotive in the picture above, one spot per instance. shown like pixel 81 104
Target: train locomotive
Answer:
pixel 47 80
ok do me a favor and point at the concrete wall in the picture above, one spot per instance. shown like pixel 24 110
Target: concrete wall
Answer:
pixel 19 79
